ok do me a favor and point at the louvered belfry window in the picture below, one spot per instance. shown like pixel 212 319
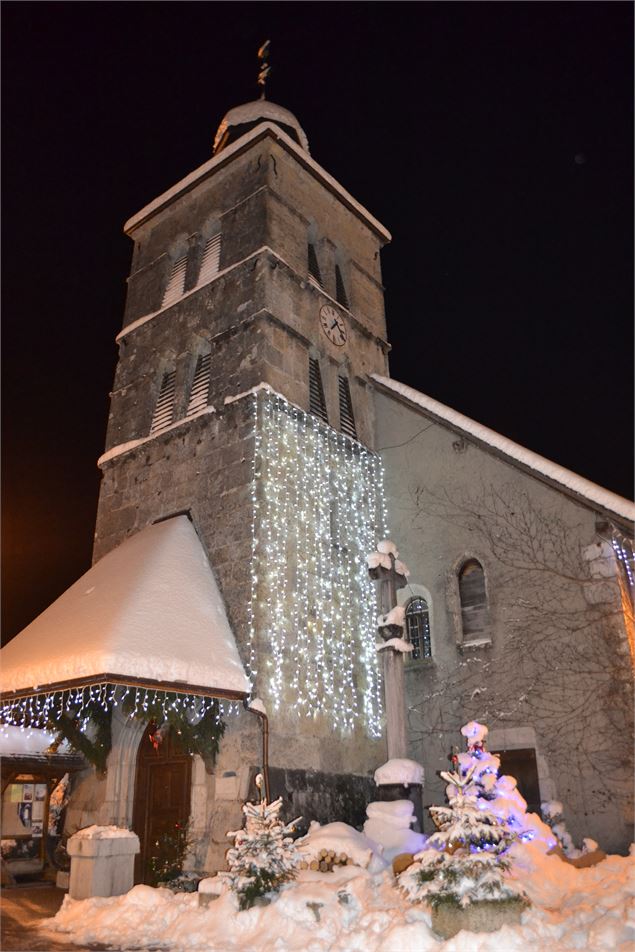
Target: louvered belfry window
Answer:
pixel 418 628
pixel 176 283
pixel 210 262
pixel 473 600
pixel 315 276
pixel 340 289
pixel 164 410
pixel 200 385
pixel 347 420
pixel 317 403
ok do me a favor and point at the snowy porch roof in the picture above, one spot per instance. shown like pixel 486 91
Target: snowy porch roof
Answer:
pixel 150 611
pixel 578 486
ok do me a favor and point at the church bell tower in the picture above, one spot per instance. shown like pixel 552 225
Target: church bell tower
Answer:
pixel 254 317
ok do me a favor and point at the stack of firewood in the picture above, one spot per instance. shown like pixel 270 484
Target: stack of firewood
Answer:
pixel 326 861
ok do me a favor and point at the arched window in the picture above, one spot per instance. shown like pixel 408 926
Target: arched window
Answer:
pixel 473 600
pixel 418 628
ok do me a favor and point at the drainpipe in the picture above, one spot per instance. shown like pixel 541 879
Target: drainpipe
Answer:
pixel 265 744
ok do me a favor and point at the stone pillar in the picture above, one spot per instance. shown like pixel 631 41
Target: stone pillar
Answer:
pixel 391 574
pixel 394 691
pixel 102 862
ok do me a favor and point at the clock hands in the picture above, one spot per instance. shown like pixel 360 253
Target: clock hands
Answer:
pixel 333 326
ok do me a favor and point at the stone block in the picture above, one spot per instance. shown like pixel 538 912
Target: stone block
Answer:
pixel 448 918
pixel 102 865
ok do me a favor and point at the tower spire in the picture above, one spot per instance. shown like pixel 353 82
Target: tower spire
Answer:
pixel 265 69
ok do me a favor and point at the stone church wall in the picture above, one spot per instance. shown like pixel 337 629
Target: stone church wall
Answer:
pixel 552 671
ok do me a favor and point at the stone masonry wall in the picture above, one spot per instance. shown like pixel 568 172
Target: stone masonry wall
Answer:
pixel 552 670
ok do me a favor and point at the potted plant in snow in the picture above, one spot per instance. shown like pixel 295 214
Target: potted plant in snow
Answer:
pixel 462 873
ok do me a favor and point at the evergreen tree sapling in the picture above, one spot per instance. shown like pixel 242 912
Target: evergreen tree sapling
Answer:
pixel 464 860
pixel 263 856
pixel 497 794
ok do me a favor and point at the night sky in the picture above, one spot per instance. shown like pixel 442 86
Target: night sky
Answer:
pixel 494 140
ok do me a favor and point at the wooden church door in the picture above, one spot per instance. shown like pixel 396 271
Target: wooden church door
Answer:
pixel 161 801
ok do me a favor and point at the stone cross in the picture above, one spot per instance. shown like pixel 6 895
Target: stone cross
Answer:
pixel 390 580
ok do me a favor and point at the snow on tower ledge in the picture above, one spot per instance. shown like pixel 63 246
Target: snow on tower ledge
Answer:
pixel 150 609
pixel 601 497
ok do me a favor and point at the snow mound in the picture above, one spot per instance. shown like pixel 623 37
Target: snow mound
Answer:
pixel 350 910
pixel 341 838
pixel 396 810
pixel 214 885
pixel 399 771
pixel 389 824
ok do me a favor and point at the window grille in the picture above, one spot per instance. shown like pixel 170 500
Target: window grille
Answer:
pixel 164 410
pixel 317 403
pixel 315 277
pixel 473 599
pixel 200 385
pixel 418 628
pixel 347 420
pixel 210 262
pixel 340 289
pixel 176 282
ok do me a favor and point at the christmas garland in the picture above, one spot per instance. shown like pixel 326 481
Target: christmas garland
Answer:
pixel 71 726
pixel 88 727
pixel 202 737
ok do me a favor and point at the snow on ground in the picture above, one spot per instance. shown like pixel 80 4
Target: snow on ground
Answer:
pixel 353 910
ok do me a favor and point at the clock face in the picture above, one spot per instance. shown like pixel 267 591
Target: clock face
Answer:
pixel 333 325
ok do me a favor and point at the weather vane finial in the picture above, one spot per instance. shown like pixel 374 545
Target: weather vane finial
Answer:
pixel 265 69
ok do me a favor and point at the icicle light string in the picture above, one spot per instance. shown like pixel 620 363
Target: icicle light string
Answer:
pixel 35 711
pixel 626 559
pixel 317 503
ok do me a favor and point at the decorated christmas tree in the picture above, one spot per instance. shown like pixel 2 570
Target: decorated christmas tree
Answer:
pixel 498 794
pixel 263 856
pixel 464 860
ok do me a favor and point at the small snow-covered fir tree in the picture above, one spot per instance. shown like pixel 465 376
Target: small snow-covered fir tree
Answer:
pixel 463 861
pixel 263 856
pixel 500 795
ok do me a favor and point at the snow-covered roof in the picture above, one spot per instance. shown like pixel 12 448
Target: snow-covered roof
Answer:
pixel 209 167
pixel 150 609
pixel 578 485
pixel 260 109
pixel 17 741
